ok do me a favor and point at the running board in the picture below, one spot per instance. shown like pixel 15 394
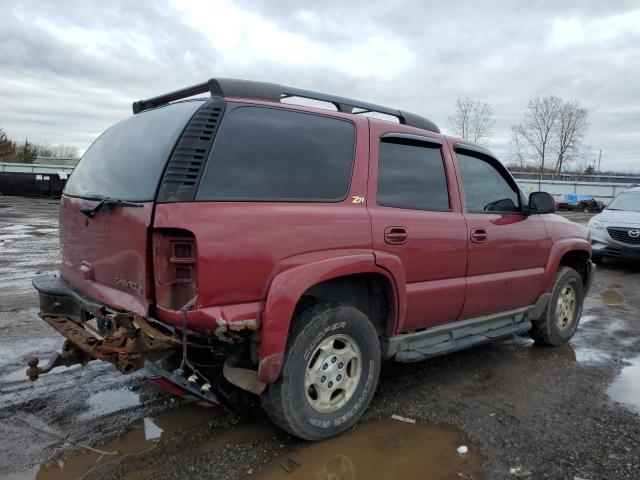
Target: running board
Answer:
pixel 417 346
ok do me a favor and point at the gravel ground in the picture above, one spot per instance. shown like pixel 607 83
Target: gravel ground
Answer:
pixel 523 411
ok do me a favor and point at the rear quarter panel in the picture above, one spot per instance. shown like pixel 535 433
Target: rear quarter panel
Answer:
pixel 242 246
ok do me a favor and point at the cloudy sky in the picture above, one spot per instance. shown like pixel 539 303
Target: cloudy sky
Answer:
pixel 70 69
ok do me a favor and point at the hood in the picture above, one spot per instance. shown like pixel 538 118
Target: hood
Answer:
pixel 620 218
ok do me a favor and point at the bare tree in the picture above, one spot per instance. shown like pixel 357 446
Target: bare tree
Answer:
pixel 538 128
pixel 27 153
pixel 519 148
pixel 571 129
pixel 472 120
pixel 66 151
pixel 7 148
pixel 57 151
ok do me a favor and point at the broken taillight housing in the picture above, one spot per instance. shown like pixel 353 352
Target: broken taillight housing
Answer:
pixel 174 264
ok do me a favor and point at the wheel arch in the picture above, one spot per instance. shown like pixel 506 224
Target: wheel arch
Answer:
pixel 570 253
pixel 346 279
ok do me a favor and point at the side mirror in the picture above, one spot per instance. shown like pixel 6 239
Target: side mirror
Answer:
pixel 541 202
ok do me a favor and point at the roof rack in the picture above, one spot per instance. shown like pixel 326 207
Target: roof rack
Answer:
pixel 230 87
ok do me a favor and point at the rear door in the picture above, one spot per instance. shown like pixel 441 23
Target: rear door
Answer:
pixel 105 254
pixel 508 250
pixel 416 220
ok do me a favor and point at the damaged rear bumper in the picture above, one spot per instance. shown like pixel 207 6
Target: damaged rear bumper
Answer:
pixel 128 341
pixel 131 342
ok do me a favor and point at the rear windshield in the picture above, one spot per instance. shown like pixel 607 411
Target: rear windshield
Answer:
pixel 127 161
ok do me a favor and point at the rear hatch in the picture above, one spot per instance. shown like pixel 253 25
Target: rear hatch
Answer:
pixel 105 250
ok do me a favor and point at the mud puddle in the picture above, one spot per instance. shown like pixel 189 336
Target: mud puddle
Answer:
pixel 626 387
pixel 139 438
pixel 569 352
pixel 379 450
pixel 612 299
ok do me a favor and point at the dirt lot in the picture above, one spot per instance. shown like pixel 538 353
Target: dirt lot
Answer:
pixel 522 411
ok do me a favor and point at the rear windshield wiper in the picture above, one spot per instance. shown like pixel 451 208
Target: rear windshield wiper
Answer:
pixel 107 202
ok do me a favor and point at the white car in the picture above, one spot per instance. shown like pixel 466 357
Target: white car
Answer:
pixel 615 233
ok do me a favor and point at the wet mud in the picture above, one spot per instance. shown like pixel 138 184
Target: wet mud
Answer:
pixel 625 388
pixel 141 436
pixel 381 449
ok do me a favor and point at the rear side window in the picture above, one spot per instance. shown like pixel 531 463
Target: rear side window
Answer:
pixel 485 188
pixel 412 177
pixel 127 161
pixel 271 154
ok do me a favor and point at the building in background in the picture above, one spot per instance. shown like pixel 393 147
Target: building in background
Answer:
pixel 46 177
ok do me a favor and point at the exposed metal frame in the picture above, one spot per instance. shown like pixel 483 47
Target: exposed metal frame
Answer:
pixel 230 87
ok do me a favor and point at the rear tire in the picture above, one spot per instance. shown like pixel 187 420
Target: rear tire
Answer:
pixel 329 375
pixel 561 317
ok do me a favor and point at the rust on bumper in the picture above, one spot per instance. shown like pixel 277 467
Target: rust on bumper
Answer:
pixel 133 341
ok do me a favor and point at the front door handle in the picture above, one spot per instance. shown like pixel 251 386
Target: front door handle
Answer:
pixel 396 235
pixel 479 235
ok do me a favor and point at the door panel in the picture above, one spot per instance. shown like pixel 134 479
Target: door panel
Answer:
pixel 513 290
pixel 506 270
pixel 434 260
pixel 434 302
pixel 508 250
pixel 414 219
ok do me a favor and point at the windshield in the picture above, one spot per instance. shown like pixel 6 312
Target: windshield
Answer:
pixel 629 201
pixel 127 161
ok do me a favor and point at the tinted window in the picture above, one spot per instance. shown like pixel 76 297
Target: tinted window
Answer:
pixel 127 161
pixel 485 189
pixel 273 154
pixel 411 176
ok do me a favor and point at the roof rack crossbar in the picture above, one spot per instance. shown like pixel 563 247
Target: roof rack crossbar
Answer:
pixel 228 87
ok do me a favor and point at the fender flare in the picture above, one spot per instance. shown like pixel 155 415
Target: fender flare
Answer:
pixel 286 289
pixel 558 250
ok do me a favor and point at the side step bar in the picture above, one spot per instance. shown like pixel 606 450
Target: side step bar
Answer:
pixel 423 344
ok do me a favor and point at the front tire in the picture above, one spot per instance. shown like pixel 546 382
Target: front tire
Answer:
pixel 560 319
pixel 329 375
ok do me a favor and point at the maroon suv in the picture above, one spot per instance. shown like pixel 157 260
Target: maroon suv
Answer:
pixel 297 248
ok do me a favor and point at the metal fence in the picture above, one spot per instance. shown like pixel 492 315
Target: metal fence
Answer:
pixel 576 177
pixel 602 191
pixel 63 171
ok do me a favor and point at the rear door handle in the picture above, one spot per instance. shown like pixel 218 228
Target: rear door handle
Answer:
pixel 396 235
pixel 479 235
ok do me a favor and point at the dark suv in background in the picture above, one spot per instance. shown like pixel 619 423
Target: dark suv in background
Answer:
pixel 300 247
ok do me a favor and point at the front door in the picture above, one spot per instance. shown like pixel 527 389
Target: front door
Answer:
pixel 417 221
pixel 508 250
